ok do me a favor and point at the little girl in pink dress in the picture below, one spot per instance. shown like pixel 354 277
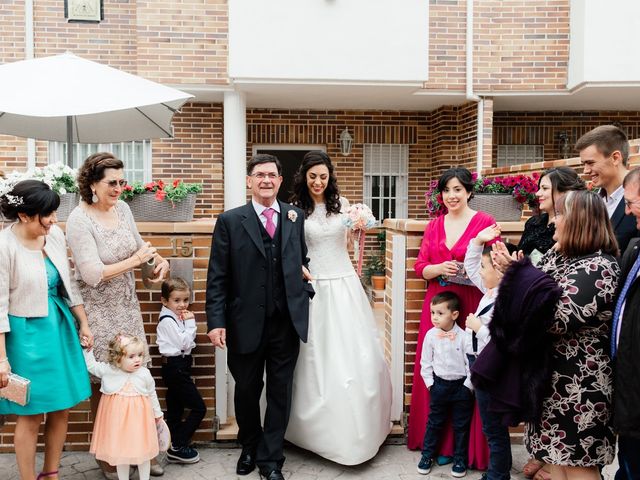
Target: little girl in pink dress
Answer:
pixel 124 431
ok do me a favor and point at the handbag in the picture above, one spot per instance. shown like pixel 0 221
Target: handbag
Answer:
pixel 18 390
pixel 164 436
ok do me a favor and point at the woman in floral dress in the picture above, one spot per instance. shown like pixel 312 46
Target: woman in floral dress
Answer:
pixel 573 433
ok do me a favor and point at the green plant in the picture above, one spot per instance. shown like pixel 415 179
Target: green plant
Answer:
pixel 174 192
pixel 376 263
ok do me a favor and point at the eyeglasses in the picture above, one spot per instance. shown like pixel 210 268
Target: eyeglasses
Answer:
pixel 630 203
pixel 262 175
pixel 115 183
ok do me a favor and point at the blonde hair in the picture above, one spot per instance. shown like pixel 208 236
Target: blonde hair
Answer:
pixel 119 346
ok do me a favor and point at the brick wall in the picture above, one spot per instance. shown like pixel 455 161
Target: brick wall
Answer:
pixel 518 45
pixel 195 154
pixel 543 128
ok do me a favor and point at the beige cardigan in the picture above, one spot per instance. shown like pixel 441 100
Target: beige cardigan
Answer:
pixel 23 277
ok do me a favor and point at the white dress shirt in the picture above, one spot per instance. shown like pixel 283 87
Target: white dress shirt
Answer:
pixel 175 337
pixel 444 357
pixel 612 201
pixel 472 265
pixel 261 208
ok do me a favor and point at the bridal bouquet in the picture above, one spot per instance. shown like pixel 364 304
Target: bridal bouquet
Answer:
pixel 359 218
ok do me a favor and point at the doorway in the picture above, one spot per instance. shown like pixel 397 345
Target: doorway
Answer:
pixel 290 157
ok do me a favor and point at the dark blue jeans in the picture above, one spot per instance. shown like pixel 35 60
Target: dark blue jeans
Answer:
pixel 449 395
pixel 628 458
pixel 497 436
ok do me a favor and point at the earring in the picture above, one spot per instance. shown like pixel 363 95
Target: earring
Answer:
pixel 94 197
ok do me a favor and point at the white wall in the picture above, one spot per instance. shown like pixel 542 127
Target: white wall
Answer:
pixel 604 37
pixel 334 40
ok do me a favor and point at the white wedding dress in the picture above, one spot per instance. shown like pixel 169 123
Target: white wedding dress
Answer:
pixel 341 389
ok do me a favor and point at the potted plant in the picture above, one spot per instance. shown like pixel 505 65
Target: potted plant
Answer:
pixel 375 266
pixel 502 197
pixel 158 201
pixel 60 177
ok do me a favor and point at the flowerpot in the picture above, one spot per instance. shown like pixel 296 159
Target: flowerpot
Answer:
pixel 68 201
pixel 377 282
pixel 501 206
pixel 146 208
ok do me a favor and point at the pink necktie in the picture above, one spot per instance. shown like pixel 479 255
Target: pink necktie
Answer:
pixel 270 227
pixel 450 335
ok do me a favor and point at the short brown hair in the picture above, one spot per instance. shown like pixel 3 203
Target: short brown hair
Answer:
pixel 607 139
pixel 261 158
pixel 119 345
pixel 451 299
pixel 173 284
pixel 92 171
pixel 586 227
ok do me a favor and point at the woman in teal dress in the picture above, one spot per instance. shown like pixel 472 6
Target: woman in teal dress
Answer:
pixel 42 324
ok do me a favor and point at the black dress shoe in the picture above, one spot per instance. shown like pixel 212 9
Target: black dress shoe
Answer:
pixel 272 475
pixel 246 463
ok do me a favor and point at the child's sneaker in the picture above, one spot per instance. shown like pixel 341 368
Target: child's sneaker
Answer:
pixel 459 469
pixel 183 455
pixel 425 465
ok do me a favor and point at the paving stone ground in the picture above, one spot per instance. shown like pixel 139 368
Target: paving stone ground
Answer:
pixel 393 462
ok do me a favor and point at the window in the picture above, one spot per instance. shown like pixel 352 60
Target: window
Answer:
pixel 135 155
pixel 385 180
pixel 517 154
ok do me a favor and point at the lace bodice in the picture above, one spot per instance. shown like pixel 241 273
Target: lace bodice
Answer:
pixel 326 238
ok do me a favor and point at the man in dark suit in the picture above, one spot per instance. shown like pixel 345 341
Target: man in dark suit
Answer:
pixel 604 153
pixel 625 338
pixel 258 304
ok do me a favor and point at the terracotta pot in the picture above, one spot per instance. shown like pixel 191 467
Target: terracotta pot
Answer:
pixel 378 281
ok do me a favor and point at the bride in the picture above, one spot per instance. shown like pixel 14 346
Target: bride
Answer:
pixel 341 388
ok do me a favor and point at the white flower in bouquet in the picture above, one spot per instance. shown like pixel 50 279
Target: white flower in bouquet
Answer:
pixel 359 217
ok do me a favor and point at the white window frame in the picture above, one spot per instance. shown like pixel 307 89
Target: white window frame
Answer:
pixel 508 155
pixel 56 154
pixel 385 165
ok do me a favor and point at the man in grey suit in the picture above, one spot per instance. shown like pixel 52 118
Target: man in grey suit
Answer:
pixel 258 304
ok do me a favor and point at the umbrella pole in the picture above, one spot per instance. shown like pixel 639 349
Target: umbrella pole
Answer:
pixel 70 141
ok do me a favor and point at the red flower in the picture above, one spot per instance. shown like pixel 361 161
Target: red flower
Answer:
pixel 150 186
pixel 128 188
pixel 160 184
pixel 160 194
pixel 176 183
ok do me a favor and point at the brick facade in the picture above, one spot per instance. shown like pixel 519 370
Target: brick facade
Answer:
pixel 543 128
pixel 518 45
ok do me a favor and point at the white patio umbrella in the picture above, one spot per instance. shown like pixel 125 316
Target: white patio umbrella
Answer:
pixel 68 98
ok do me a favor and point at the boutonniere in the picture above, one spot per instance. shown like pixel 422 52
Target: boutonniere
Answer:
pixel 292 215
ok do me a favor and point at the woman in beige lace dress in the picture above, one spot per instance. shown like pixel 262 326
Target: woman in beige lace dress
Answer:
pixel 106 248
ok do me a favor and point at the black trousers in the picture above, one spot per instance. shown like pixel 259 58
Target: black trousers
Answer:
pixel 277 353
pixel 449 396
pixel 182 394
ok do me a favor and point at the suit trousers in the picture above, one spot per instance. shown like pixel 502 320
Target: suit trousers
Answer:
pixel 449 396
pixel 277 353
pixel 181 394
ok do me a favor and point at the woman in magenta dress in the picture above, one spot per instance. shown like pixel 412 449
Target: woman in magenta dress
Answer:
pixel 445 242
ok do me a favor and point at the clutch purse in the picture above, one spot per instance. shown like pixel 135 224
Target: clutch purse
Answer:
pixel 164 436
pixel 460 277
pixel 18 390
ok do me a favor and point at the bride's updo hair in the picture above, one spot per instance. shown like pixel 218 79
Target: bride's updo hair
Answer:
pixel 301 197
